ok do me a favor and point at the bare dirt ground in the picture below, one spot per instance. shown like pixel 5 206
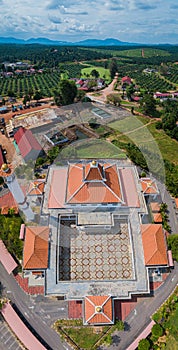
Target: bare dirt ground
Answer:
pixel 10 115
pixel 7 145
pixel 102 95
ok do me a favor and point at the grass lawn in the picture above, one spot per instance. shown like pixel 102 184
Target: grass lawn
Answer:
pixel 102 72
pixel 167 145
pixel 84 337
pixel 134 130
pixel 171 344
pixel 92 149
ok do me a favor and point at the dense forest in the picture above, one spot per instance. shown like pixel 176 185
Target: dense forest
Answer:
pixel 47 56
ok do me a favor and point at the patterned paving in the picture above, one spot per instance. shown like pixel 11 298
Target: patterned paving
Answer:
pixel 96 255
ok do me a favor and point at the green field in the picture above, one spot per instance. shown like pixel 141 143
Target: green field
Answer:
pixel 134 130
pixel 92 149
pixel 102 72
pixel 137 52
pixel 148 52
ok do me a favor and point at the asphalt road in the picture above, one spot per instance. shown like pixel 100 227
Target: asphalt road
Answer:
pixel 35 311
pixel 139 318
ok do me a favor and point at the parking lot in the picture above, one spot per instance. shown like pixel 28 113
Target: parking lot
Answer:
pixel 7 339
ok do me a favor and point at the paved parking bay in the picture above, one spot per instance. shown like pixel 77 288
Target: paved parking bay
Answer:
pixel 7 339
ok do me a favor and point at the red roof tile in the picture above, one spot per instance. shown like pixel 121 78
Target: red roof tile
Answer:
pixel 26 141
pixel 88 184
pixel 7 200
pixel 36 188
pixel 98 310
pixel 155 207
pixel 157 218
pixel 148 186
pixel 35 255
pixel 126 79
pixel 154 244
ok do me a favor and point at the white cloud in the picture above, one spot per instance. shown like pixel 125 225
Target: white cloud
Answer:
pixel 127 20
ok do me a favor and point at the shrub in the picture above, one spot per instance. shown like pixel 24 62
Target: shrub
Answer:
pixel 157 331
pixel 144 344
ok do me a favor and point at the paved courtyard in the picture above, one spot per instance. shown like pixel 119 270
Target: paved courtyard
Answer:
pixel 95 254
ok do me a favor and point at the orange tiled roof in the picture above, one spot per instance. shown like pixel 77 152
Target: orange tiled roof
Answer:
pixel 155 206
pixel 157 218
pixel 35 254
pixel 95 185
pixel 5 210
pixel 98 310
pixel 36 188
pixel 94 172
pixel 154 244
pixel 148 186
pixel 176 201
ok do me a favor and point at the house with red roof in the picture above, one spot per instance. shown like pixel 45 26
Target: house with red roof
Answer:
pixel 27 144
pixel 126 80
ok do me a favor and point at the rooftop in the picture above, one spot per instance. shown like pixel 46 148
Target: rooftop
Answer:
pixel 155 206
pixel 26 141
pixel 36 188
pixel 35 255
pixel 148 186
pixel 154 244
pixel 98 310
pixel 93 183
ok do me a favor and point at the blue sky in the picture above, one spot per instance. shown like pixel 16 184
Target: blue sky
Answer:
pixel 142 21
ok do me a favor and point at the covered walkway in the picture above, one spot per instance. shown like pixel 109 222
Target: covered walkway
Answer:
pixel 6 259
pixel 20 329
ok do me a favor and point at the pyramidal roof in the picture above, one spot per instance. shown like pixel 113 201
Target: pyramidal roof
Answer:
pixel 35 254
pixel 36 188
pixel 98 310
pixel 93 172
pixel 148 186
pixel 93 183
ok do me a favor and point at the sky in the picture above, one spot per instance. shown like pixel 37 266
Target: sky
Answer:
pixel 138 21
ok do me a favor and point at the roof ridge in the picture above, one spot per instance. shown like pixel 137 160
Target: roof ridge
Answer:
pixel 113 192
pixel 77 190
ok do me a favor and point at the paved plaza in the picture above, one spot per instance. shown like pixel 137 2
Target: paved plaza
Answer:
pixel 95 254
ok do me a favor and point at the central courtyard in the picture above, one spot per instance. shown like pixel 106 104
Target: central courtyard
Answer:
pixel 95 253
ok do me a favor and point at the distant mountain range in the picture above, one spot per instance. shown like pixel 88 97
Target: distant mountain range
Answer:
pixel 46 41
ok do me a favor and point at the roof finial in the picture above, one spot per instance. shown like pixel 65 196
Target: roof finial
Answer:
pixel 5 168
pixel 93 162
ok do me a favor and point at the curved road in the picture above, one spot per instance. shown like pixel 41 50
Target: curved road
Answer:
pixel 26 304
pixel 37 310
pixel 139 318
